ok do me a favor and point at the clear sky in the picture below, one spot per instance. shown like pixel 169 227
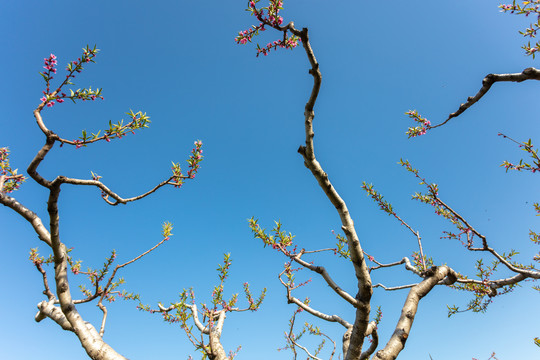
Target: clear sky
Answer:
pixel 178 62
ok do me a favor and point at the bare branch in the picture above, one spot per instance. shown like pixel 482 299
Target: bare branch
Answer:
pixel 326 276
pixel 29 215
pixel 308 153
pixel 408 312
pixel 372 330
pixel 47 309
pixel 320 315
pixel 302 305
pixel 401 287
pixel 405 261
pixel 216 348
pixel 104 319
pixel 489 80
pixel 109 192
pixel 47 290
pixel 32 167
pixel 90 339
pixel 310 356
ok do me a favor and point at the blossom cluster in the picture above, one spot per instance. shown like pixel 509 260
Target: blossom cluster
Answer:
pixel 526 8
pixel 483 292
pixel 223 273
pixel 166 231
pixel 193 162
pixel 386 206
pixel 482 289
pixel 288 43
pixel 342 246
pixel 35 258
pixel 279 241
pixel 431 198
pixel 254 304
pixel 378 318
pixel 232 354
pixel 421 263
pixel 378 198
pixel 11 179
pixel 289 273
pixel 425 124
pixel 493 356
pixel 108 292
pixel 50 64
pixel 378 315
pixel 267 16
pixel 292 338
pixel 528 147
pixel 139 120
pixel 73 67
pixel 183 308
pixel 194 159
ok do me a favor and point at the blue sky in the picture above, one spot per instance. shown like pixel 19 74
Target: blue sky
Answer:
pixel 178 62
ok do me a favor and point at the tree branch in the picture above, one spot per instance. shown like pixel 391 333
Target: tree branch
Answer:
pixel 489 80
pixel 408 312
pixel 326 276
pixel 28 215
pixel 372 330
pixel 109 192
pixel 90 340
pixel 357 257
pixel 320 315
pixel 405 261
pixel 292 300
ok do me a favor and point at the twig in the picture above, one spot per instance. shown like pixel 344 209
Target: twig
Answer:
pixel 330 318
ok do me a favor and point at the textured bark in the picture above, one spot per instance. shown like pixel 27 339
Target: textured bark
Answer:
pixel 29 216
pixel 218 353
pixel 326 276
pixel 66 314
pixel 347 340
pixel 364 285
pixel 216 349
pixel 93 344
pixel 48 310
pixel 401 333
